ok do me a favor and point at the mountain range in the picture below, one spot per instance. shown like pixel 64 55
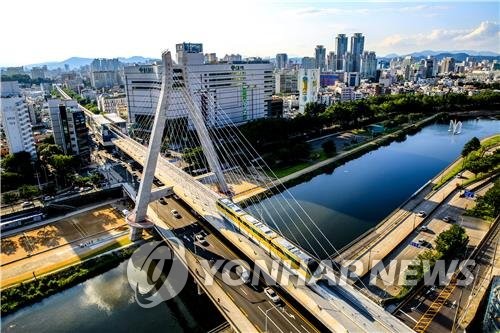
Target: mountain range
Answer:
pixel 459 55
pixel 76 62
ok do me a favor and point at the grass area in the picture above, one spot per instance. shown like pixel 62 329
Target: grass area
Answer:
pixel 41 287
pixel 377 141
pixel 287 170
pixel 458 166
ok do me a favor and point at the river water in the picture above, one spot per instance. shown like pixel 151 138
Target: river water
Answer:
pixel 344 202
pixel 348 200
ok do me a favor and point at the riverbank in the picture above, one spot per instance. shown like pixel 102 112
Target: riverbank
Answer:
pixel 430 194
pixel 351 153
pixel 40 287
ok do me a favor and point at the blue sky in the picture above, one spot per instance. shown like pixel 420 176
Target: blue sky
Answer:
pixel 54 30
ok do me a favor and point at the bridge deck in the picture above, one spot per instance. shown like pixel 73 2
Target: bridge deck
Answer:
pixel 335 312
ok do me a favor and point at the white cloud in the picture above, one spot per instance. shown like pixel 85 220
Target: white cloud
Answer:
pixel 486 35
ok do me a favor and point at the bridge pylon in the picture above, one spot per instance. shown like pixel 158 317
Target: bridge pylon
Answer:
pixel 138 219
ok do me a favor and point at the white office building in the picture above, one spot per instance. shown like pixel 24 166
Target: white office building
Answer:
pixel 69 127
pixel 16 121
pixel 308 82
pixel 242 89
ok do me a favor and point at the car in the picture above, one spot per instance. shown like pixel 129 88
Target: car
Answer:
pixel 448 219
pixel 421 213
pixel 176 197
pixel 243 274
pixel 424 228
pixel 201 239
pixel 162 201
pixel 271 294
pixel 48 198
pixel 27 204
pixel 424 243
pixel 175 213
pixel 85 189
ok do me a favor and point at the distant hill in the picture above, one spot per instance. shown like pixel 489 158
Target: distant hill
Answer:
pixel 76 62
pixel 459 55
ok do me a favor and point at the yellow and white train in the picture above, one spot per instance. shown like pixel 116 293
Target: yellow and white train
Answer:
pixel 273 243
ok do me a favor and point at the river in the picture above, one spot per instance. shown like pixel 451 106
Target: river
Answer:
pixel 344 202
pixel 348 200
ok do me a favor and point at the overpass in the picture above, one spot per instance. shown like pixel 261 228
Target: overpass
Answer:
pixel 339 307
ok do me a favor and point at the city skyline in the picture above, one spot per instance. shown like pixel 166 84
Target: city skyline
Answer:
pixel 294 28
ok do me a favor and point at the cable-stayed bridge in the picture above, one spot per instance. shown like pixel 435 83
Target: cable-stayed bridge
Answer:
pixel 194 149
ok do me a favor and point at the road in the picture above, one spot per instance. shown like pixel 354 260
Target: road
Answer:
pixel 409 249
pixel 252 302
pixel 455 302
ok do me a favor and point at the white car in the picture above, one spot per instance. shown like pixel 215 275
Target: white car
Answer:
pixel 175 213
pixel 27 204
pixel 421 214
pixel 271 294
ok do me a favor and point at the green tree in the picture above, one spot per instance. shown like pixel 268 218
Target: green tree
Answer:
pixel 329 147
pixel 473 144
pixel 452 242
pixel 28 192
pixel 9 197
pixel 62 162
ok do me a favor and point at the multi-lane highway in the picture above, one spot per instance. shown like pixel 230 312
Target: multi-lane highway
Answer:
pixel 252 301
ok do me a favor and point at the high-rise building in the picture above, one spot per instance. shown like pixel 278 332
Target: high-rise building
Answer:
pixel 281 60
pixel 286 81
pixel 407 67
pixel 357 48
pixel 308 81
pixel 16 121
pixel 243 89
pixel 69 128
pixel 38 72
pixel 210 58
pixel 320 57
pixel 189 52
pixel 340 51
pixel 347 62
pixel 368 68
pixel 308 63
pixel 448 65
pixel 232 58
pixel 331 61
pixel 105 73
pixel 430 67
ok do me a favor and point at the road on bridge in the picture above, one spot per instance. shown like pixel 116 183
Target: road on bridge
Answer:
pixel 252 302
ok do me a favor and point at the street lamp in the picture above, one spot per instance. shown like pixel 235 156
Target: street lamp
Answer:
pixel 265 330
pixel 370 257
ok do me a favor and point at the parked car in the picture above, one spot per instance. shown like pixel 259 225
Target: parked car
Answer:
pixel 176 197
pixel 421 214
pixel 201 239
pixel 424 228
pixel 162 201
pixel 448 219
pixel 424 243
pixel 271 294
pixel 175 213
pixel 27 204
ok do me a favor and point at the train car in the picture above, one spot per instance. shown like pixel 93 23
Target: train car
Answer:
pixel 277 246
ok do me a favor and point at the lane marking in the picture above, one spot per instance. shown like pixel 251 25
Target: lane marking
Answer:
pixel 244 292
pixel 281 313
pixel 270 319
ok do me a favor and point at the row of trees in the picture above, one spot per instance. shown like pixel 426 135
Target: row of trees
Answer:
pixel 271 135
pixel 25 79
pixel 351 114
pixel 87 103
pixel 487 206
